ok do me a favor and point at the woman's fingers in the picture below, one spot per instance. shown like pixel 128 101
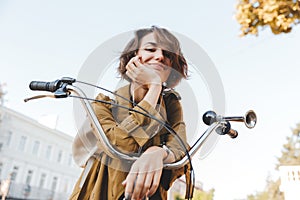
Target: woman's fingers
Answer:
pixel 129 182
pixel 155 182
pixel 133 63
pixel 147 184
pixel 137 61
pixel 140 73
pixel 144 177
pixel 144 185
pixel 135 183
pixel 139 186
pixel 131 69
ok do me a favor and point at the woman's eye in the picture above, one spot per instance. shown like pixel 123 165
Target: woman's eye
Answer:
pixel 168 54
pixel 150 49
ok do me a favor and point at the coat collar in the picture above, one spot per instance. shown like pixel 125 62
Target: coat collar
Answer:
pixel 121 113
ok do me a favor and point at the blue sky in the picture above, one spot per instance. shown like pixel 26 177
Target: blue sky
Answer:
pixel 48 40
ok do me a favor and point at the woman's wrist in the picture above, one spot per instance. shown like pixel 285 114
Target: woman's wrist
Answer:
pixel 159 150
pixel 155 86
pixel 153 94
pixel 170 157
pixel 167 153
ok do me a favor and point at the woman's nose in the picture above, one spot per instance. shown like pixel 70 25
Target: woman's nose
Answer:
pixel 158 55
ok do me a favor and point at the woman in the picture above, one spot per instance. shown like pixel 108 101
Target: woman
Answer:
pixel 153 64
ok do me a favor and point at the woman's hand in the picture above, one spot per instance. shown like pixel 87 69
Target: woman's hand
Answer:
pixel 142 74
pixel 144 176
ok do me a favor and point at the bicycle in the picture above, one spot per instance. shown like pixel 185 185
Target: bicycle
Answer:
pixel 63 88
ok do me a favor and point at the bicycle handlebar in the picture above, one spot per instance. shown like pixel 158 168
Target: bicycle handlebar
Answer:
pixel 45 86
pixel 58 87
pixel 63 88
pixel 219 123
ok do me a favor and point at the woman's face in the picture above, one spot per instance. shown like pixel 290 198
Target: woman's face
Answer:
pixel 152 55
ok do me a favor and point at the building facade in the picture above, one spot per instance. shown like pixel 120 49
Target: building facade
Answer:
pixel 37 159
pixel 290 181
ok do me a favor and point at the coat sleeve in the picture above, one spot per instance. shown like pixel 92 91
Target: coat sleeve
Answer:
pixel 175 119
pixel 133 131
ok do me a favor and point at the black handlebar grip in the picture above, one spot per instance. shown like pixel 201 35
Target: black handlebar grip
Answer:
pixel 45 86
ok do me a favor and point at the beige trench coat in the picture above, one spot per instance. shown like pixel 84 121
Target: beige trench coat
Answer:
pixel 129 132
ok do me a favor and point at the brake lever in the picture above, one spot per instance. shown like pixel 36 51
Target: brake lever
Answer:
pixel 62 92
pixel 39 97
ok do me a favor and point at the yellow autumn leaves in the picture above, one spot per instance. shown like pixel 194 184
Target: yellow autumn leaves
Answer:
pixel 279 15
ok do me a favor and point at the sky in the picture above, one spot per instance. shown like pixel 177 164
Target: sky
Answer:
pixel 47 40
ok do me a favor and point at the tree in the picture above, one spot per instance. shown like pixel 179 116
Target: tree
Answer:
pixel 198 195
pixel 271 192
pixel 290 156
pixel 279 15
pixel 204 195
pixel 291 150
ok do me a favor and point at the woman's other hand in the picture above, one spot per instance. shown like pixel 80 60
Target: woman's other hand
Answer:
pixel 144 176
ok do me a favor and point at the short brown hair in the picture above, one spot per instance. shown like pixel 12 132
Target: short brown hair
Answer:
pixel 171 49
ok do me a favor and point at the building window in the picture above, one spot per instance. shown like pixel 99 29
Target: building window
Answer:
pixel 48 152
pixel 9 136
pixel 66 186
pixel 54 183
pixel 22 143
pixel 36 147
pixel 70 160
pixel 14 173
pixel 42 180
pixel 59 156
pixel 29 177
pixel 1 166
